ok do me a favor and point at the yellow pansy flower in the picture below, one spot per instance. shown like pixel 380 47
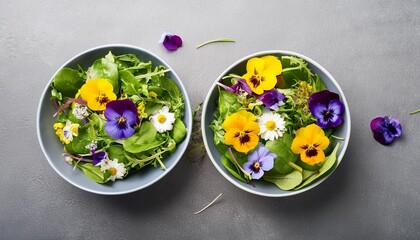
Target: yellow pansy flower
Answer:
pixel 310 141
pixel 261 73
pixel 66 132
pixel 97 93
pixel 241 131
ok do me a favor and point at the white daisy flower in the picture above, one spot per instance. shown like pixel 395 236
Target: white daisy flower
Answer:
pixel 162 119
pixel 272 125
pixel 80 111
pixel 116 169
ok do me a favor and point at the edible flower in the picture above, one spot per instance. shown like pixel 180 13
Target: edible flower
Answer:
pixel 310 141
pixel 327 108
pixel 121 116
pixel 272 99
pixel 241 131
pixel 272 125
pixel 114 168
pixel 238 88
pixel 261 73
pixel 97 93
pixel 66 132
pixel 162 119
pixel 260 160
pixel 385 129
pixel 80 111
pixel 98 157
pixel 171 41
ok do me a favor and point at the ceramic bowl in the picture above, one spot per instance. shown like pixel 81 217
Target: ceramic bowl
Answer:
pixel 53 149
pixel 210 105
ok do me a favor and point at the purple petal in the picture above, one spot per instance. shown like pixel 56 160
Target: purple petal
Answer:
pixel 115 109
pixel 334 121
pixel 172 42
pixel 262 152
pixel 244 86
pixel 267 163
pixel 116 130
pixel 272 99
pixel 317 110
pixel 395 127
pixel 131 117
pixel 258 174
pixel 375 124
pixel 323 97
pixel 111 114
pixel 383 137
pixel 336 106
pixel 98 157
pixel 253 156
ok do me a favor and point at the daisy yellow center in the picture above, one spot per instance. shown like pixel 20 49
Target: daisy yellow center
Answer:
pixel 161 118
pixel 113 171
pixel 270 125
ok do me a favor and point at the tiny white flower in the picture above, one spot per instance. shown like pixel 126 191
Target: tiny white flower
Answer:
pixel 272 126
pixel 69 160
pixel 162 119
pixel 92 146
pixel 80 111
pixel 116 169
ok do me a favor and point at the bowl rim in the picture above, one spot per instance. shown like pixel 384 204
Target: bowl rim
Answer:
pixel 344 144
pixel 187 112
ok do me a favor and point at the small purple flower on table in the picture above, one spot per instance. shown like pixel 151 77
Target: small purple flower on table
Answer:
pixel 260 160
pixel 171 41
pixel 385 129
pixel 327 108
pixel 122 116
pixel 272 99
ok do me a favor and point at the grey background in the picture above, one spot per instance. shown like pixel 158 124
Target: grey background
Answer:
pixel 372 49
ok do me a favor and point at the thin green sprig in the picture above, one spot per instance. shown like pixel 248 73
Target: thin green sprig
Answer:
pixel 215 41
pixel 414 112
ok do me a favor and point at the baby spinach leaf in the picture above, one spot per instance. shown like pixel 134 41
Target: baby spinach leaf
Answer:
pixel 284 182
pixel 103 68
pixel 171 87
pixel 92 172
pixel 179 131
pixel 68 82
pixel 282 148
pixel 143 140
pixel 327 165
pixel 318 84
pixel 228 103
pixel 129 84
pixel 78 145
pixel 116 151
pixel 231 167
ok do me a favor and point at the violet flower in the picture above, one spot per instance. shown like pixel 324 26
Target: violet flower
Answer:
pixel 385 129
pixel 171 41
pixel 327 108
pixel 122 116
pixel 260 160
pixel 238 88
pixel 272 99
pixel 98 157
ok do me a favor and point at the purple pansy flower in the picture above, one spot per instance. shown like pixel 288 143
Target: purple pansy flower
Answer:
pixel 385 129
pixel 98 157
pixel 171 41
pixel 260 160
pixel 122 116
pixel 272 99
pixel 238 88
pixel 327 108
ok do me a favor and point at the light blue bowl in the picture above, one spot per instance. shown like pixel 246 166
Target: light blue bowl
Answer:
pixel 260 187
pixel 53 149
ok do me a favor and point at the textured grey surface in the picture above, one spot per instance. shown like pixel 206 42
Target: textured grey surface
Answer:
pixel 372 49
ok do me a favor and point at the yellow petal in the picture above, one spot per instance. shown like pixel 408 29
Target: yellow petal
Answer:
pixel 322 141
pixel 269 82
pixel 272 64
pixel 298 143
pixel 318 158
pixel 252 127
pixel 230 136
pixel 248 146
pixel 255 66
pixel 311 131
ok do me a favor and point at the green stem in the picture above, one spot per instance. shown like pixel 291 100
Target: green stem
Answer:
pixel 414 112
pixel 296 167
pixel 338 138
pixel 247 175
pixel 147 75
pixel 215 41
